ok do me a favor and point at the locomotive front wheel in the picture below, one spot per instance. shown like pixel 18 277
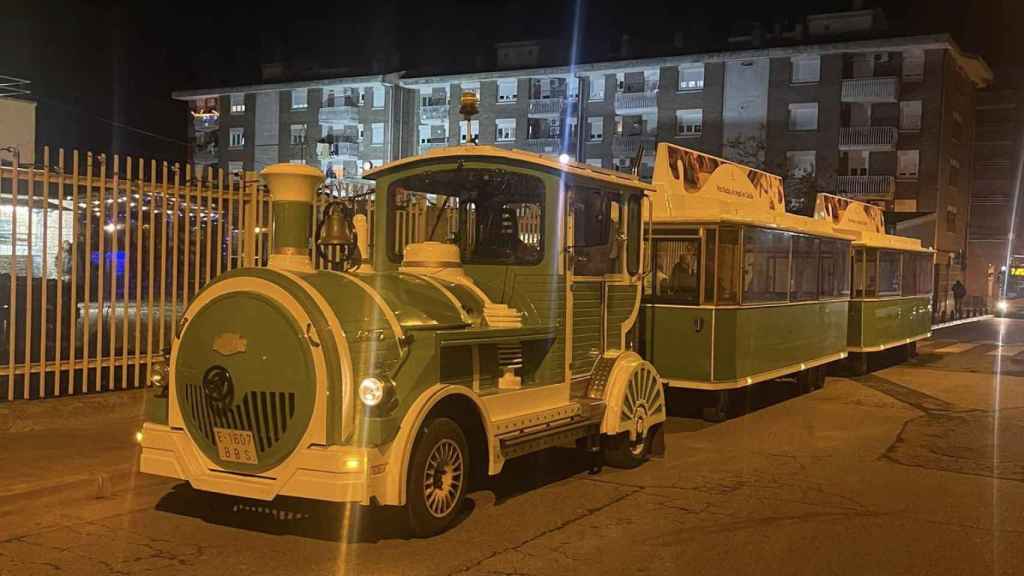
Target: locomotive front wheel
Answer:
pixel 621 451
pixel 437 477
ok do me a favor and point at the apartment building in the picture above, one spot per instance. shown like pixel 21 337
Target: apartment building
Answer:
pixel 999 120
pixel 888 121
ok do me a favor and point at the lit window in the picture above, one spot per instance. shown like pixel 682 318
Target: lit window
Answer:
pixel 474 127
pixel 689 122
pixel 234 168
pixel 806 69
pixel 300 99
pixel 508 90
pixel 362 132
pixel 298 134
pixel 907 163
pixel 910 115
pixel 594 162
pixel 237 138
pixel 803 116
pixel 377 135
pixel 506 130
pixel 800 163
pixel 238 103
pixel 691 77
pixel 954 173
pixel 596 85
pixel 595 129
pixel 378 96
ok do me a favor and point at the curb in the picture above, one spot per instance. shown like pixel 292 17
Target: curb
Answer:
pixel 961 321
pixel 80 411
pixel 96 484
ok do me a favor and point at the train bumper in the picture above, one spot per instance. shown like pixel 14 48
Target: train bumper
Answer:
pixel 331 473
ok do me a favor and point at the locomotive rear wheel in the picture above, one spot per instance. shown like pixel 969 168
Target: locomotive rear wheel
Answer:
pixel 437 479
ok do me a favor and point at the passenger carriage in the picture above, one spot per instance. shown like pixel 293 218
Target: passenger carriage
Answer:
pixel 498 326
pixel 740 291
pixel 890 304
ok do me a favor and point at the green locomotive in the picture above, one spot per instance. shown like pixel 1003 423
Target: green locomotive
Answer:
pixel 502 327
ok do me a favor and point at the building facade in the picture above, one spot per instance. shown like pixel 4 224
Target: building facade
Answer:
pixel 887 121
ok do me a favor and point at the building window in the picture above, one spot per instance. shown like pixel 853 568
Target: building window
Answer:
pixel 594 162
pixel 298 134
pixel 689 123
pixel 238 103
pixel 910 115
pixel 474 128
pixel 377 133
pixel 907 164
pixel 473 87
pixel 806 69
pixel 954 173
pixel 508 90
pixel 913 65
pixel 234 168
pixel 362 132
pixel 300 99
pixel 951 219
pixel 506 130
pixel 237 138
pixel 803 116
pixel 958 127
pixel 595 128
pixel 691 77
pixel 800 163
pixel 296 161
pixel 596 84
pixel 378 96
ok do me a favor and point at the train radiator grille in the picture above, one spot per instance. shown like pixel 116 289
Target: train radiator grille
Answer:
pixel 266 414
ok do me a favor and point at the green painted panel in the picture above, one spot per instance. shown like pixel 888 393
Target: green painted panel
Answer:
pixel 292 225
pixel 586 326
pixel 541 299
pixel 882 322
pixel 621 300
pixel 678 341
pixel 753 340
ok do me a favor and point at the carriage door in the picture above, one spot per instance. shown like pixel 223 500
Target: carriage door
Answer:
pixel 596 254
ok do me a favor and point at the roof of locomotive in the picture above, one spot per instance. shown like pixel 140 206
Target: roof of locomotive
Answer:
pixel 547 162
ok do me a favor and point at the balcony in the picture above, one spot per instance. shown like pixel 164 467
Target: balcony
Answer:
pixel 636 102
pixel 434 110
pixel 871 89
pixel 545 145
pixel 866 187
pixel 345 148
pixel 205 122
pixel 875 138
pixel 205 155
pixel 626 145
pixel 339 114
pixel 554 106
pixel 430 143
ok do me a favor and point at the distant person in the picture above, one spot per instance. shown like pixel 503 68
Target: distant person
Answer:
pixel 683 281
pixel 958 298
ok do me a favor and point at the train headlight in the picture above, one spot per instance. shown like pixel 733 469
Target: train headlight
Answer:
pixel 1002 306
pixel 373 391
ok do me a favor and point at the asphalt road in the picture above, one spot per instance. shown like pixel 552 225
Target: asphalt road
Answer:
pixel 914 469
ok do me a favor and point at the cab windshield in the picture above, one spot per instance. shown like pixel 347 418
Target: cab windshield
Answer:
pixel 495 216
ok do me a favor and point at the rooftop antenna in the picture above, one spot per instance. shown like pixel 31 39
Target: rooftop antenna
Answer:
pixel 469 107
pixel 11 86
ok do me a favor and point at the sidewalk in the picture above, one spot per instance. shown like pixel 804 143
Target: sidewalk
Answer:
pixel 961 321
pixel 68 448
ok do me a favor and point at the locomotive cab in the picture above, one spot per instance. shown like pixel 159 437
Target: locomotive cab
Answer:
pixel 497 320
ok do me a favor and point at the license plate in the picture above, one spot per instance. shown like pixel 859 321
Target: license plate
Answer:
pixel 235 445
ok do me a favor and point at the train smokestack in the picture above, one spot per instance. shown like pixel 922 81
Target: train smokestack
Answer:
pixel 292 190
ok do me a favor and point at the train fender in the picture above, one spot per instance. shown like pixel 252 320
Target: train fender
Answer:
pixel 393 492
pixel 634 397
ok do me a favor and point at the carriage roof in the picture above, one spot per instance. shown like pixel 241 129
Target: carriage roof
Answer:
pixel 542 161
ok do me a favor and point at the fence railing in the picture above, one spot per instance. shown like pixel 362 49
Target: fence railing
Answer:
pixel 868 137
pixel 874 89
pixel 99 256
pixel 866 187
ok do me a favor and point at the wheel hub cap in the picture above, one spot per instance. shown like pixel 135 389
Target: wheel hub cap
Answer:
pixel 442 479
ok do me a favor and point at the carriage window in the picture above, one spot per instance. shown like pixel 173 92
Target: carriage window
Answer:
pixel 888 273
pixel 727 284
pixel 804 278
pixel 596 217
pixel 835 268
pixel 925 274
pixel 676 276
pixel 871 272
pixel 710 235
pixel 495 216
pixel 909 274
pixel 633 233
pixel 765 265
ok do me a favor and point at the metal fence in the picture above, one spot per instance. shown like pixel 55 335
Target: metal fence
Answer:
pixel 99 255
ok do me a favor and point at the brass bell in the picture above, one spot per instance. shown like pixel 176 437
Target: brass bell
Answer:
pixel 337 228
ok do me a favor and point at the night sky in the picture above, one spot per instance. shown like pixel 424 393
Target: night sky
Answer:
pixel 103 71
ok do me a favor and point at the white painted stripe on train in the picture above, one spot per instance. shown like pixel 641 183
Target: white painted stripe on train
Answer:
pixel 1011 350
pixel 958 348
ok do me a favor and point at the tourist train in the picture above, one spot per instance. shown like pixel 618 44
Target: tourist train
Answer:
pixel 533 302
